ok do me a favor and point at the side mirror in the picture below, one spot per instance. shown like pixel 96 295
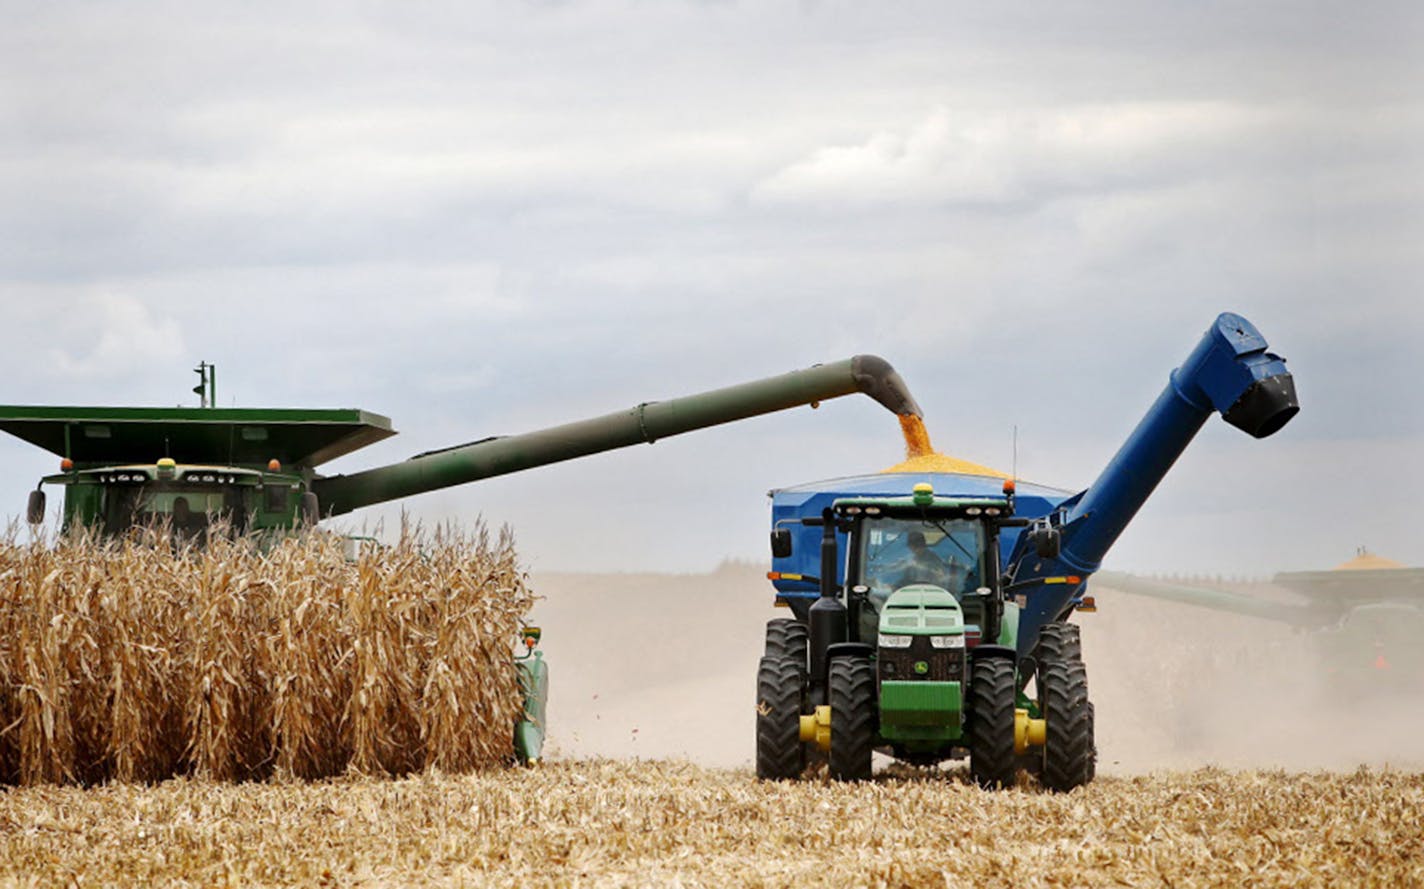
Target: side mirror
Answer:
pixel 35 509
pixel 780 543
pixel 311 510
pixel 1048 543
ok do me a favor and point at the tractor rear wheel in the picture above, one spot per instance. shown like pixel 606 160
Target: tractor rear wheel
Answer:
pixel 781 684
pixel 786 637
pixel 1059 642
pixel 852 699
pixel 990 723
pixel 1068 754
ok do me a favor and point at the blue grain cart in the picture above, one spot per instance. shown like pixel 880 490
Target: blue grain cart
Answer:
pixel 931 611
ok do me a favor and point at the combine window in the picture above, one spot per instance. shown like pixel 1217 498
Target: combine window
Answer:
pixel 191 508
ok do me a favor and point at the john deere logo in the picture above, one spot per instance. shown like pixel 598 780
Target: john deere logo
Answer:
pixel 921 667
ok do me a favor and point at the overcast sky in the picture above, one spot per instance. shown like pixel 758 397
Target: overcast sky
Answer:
pixel 485 218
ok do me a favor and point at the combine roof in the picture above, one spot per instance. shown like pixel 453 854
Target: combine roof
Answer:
pixel 229 436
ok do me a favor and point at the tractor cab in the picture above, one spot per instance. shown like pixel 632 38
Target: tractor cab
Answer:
pixel 923 565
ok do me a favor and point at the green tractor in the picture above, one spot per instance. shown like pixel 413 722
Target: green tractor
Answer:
pixel 921 656
pixel 939 625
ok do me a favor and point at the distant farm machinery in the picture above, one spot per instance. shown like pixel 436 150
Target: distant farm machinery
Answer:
pixel 1365 618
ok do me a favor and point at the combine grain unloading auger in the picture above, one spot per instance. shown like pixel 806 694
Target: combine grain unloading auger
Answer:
pixel 257 468
pixel 926 603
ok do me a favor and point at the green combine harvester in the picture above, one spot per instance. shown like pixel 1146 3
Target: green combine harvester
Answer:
pixel 258 470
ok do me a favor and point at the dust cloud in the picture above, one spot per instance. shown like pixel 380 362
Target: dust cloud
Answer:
pixel 1177 686
pixel 654 666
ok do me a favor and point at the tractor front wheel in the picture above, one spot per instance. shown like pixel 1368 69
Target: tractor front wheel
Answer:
pixel 991 723
pixel 852 699
pixel 780 688
pixel 1068 753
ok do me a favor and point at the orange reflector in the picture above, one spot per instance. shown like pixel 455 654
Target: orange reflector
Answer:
pixel 1073 578
pixel 1381 663
pixel 773 575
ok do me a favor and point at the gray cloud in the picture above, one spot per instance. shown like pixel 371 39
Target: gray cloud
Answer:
pixel 483 218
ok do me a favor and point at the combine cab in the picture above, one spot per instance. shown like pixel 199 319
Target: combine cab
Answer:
pixel 931 611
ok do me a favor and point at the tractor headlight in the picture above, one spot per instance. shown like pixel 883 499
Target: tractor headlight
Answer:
pixel 946 641
pixel 888 641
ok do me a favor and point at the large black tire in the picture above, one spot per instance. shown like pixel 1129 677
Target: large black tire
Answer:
pixel 853 717
pixel 786 637
pixel 990 723
pixel 1059 642
pixel 1068 755
pixel 781 685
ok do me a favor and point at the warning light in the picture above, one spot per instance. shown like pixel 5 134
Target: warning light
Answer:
pixel 66 465
pixel 274 465
pixel 1009 486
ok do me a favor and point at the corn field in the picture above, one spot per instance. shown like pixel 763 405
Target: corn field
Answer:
pixel 143 658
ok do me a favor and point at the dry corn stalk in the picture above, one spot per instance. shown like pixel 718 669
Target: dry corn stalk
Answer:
pixel 143 658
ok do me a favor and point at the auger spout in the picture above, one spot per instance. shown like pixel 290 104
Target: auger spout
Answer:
pixel 645 423
pixel 1231 372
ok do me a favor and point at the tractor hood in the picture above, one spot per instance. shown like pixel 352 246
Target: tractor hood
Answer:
pixel 920 610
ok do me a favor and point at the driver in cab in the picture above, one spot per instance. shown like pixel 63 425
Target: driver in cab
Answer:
pixel 924 565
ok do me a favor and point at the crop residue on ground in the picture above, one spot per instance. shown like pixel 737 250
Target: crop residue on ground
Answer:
pixel 658 822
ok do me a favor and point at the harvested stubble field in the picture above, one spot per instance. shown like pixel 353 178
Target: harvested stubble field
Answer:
pixel 599 822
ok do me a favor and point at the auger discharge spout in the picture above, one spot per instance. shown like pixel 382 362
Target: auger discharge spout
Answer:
pixel 645 423
pixel 1231 372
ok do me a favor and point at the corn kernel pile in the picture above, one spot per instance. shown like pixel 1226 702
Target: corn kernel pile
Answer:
pixel 920 455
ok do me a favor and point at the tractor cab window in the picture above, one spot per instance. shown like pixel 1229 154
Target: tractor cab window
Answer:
pixel 190 508
pixel 947 553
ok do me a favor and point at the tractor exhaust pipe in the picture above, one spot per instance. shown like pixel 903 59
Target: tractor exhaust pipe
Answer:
pixel 827 617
